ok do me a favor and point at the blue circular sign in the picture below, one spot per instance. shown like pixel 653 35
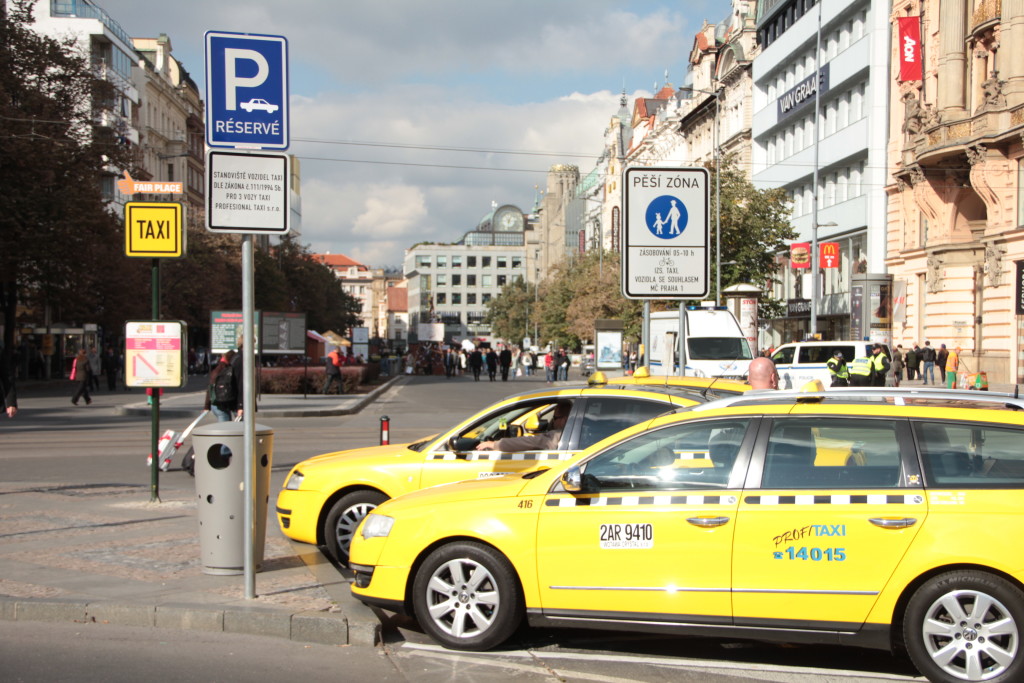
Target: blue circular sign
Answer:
pixel 666 217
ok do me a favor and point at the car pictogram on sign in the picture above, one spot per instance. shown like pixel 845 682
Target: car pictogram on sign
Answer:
pixel 257 103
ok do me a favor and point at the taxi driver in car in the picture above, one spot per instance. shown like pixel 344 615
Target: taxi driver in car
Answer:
pixel 544 441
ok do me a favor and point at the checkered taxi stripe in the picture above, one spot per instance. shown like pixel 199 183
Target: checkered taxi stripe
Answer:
pixel 607 501
pixel 837 499
pixel 498 455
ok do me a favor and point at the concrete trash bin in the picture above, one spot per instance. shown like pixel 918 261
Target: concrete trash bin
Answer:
pixel 220 494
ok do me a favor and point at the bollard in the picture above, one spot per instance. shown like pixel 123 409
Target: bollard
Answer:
pixel 385 424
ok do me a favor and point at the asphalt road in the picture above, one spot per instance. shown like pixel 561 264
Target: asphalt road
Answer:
pixel 51 441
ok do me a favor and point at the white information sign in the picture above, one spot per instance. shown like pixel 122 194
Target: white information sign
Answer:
pixel 666 252
pixel 247 192
pixel 154 354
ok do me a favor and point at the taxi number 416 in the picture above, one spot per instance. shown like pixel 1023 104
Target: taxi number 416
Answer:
pixel 618 536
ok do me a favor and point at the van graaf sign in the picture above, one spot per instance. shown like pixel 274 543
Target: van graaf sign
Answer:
pixel 794 100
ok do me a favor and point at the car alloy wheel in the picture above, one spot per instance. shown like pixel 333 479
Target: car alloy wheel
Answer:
pixel 343 519
pixel 467 596
pixel 966 626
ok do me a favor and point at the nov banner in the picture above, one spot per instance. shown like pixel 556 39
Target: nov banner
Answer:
pixel 909 49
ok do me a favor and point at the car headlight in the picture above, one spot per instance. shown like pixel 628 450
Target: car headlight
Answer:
pixel 377 526
pixel 294 481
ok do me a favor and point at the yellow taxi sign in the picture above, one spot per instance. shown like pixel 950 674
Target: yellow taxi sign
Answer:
pixel 154 229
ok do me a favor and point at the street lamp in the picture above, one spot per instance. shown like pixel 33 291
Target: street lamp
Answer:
pixel 718 191
pixel 815 267
pixel 814 182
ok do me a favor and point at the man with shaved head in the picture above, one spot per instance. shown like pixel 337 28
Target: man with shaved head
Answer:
pixel 762 374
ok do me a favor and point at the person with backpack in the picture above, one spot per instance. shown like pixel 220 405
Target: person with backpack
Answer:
pixel 223 395
pixel 332 371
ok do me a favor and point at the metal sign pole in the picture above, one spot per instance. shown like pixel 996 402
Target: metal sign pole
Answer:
pixel 154 439
pixel 249 413
pixel 645 334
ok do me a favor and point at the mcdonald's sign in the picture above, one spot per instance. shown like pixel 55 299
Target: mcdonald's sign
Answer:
pixel 828 256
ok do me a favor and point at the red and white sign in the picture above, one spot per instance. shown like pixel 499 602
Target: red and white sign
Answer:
pixel 828 255
pixel 800 255
pixel 909 49
pixel 129 186
pixel 154 354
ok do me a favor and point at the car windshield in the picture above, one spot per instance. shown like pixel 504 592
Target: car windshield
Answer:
pixel 718 348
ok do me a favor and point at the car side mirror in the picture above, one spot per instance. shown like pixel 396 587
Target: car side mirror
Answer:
pixel 461 445
pixel 572 479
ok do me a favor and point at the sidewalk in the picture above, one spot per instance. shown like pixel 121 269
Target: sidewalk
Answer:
pixel 99 555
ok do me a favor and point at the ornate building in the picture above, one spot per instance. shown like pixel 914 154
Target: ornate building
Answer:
pixel 956 140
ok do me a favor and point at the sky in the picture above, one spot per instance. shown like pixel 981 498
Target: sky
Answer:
pixel 410 118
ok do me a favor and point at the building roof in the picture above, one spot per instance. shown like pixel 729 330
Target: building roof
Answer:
pixel 338 261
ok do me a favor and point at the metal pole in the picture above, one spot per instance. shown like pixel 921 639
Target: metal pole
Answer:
pixel 814 201
pixel 248 414
pixel 718 205
pixel 645 335
pixel 154 439
pixel 681 353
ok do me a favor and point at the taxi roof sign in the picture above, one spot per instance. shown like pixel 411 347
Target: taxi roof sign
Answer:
pixel 154 229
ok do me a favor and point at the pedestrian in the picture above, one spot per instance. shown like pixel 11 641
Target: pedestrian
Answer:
pixel 80 371
pixel 563 365
pixel 632 361
pixel 952 365
pixel 928 358
pixel 476 363
pixel 527 360
pixel 762 374
pixel 880 365
pixel 110 366
pixel 222 390
pixel 95 369
pixel 897 366
pixel 505 361
pixel 861 371
pixel 492 364
pixel 8 396
pixel 549 365
pixel 837 368
pixel 940 362
pixel 332 371
pixel 913 359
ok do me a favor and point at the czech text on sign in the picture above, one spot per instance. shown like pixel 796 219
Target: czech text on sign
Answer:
pixel 666 254
pixel 246 90
pixel 154 353
pixel 247 193
pixel 154 229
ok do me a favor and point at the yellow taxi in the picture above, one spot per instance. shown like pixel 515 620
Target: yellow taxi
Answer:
pixel 881 519
pixel 324 498
pixel 713 387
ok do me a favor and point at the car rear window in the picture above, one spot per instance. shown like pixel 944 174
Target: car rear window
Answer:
pixel 971 455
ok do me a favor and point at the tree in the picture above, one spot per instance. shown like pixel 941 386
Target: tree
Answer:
pixel 57 237
pixel 755 227
pixel 509 313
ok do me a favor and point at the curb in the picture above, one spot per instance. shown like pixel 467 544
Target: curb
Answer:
pixel 324 628
pixel 144 409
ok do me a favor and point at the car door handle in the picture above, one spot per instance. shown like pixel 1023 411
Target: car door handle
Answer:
pixel 901 523
pixel 707 522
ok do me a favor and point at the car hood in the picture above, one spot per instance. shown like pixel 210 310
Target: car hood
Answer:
pixel 507 486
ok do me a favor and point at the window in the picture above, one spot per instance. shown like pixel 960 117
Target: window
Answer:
pixel 471 261
pixel 820 453
pixel 423 262
pixel 471 298
pixel 502 262
pixel 517 261
pixel 971 456
pixel 487 280
pixel 456 297
pixel 456 261
pixel 501 280
pixel 441 298
pixel 485 261
pixel 686 455
pixel 485 298
pixel 442 261
pixel 456 280
pixel 442 279
pixel 471 280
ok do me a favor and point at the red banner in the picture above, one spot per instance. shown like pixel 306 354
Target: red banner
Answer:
pixel 828 255
pixel 909 49
pixel 800 254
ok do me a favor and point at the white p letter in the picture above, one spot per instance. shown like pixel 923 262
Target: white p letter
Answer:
pixel 232 81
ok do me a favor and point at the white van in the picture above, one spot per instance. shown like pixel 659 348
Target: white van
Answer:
pixel 800 362
pixel 715 344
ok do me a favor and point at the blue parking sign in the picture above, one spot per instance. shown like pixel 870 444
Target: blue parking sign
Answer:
pixel 246 90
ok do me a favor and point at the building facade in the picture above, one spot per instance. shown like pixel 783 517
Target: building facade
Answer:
pixel 453 283
pixel 956 246
pixel 825 144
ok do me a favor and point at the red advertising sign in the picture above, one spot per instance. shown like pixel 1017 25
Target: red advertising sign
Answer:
pixel 909 49
pixel 800 254
pixel 828 255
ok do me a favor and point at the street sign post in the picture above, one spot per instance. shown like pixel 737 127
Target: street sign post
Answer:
pixel 246 90
pixel 248 193
pixel 154 229
pixel 666 252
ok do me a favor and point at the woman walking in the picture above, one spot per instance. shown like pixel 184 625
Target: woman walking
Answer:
pixel 80 373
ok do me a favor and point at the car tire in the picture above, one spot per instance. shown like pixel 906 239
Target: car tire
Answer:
pixel 466 596
pixel 966 626
pixel 343 518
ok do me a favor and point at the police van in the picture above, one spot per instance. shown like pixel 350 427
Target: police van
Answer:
pixel 800 362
